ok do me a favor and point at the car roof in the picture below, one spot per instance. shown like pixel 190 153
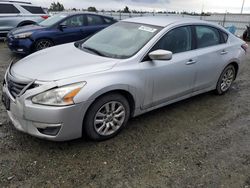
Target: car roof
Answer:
pixel 164 21
pixel 19 3
pixel 87 13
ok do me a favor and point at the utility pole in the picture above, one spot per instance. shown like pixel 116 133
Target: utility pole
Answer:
pixel 202 7
pixel 243 3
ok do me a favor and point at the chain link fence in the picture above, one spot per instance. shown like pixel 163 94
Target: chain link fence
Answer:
pixel 226 20
pixel 239 21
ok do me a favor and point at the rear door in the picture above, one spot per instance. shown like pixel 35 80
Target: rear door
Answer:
pixel 8 17
pixel 211 50
pixel 173 78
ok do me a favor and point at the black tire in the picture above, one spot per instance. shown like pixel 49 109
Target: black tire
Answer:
pixel 43 44
pixel 244 36
pixel 89 127
pixel 220 90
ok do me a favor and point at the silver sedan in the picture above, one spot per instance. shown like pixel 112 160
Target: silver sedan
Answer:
pixel 92 87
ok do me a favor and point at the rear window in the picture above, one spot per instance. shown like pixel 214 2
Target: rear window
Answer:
pixel 8 9
pixel 94 20
pixel 34 10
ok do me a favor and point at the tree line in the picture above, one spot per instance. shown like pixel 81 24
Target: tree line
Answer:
pixel 56 6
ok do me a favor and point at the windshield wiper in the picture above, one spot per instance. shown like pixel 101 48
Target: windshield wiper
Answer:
pixel 94 50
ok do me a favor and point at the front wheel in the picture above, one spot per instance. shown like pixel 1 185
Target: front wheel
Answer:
pixel 226 80
pixel 43 44
pixel 106 117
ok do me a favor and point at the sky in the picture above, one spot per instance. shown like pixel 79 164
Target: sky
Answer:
pixel 222 6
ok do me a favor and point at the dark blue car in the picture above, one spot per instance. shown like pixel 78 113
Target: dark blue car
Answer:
pixel 58 29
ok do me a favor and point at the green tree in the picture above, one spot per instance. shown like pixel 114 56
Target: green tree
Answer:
pixel 56 7
pixel 126 10
pixel 92 9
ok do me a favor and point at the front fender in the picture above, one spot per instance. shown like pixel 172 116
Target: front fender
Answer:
pixel 100 84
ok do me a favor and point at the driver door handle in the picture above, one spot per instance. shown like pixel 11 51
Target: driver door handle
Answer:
pixel 223 52
pixel 191 62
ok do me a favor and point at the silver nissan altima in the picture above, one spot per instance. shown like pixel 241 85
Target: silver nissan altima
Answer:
pixel 94 86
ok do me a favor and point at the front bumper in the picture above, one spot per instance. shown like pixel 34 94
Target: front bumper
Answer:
pixel 21 46
pixel 33 119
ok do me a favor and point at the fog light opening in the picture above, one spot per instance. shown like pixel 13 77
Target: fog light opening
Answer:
pixel 20 50
pixel 51 131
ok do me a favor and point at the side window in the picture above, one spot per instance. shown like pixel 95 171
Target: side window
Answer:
pixel 74 21
pixel 177 40
pixel 34 10
pixel 207 36
pixel 94 20
pixel 8 9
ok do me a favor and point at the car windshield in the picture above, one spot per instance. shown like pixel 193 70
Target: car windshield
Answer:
pixel 53 20
pixel 121 40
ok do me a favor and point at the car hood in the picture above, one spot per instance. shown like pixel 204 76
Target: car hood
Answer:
pixel 60 62
pixel 28 28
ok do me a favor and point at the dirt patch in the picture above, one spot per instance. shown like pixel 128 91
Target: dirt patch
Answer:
pixel 200 142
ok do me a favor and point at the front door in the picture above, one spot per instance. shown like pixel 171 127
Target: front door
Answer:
pixel 71 30
pixel 172 79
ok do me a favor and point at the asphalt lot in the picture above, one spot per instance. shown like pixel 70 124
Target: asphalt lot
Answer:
pixel 200 142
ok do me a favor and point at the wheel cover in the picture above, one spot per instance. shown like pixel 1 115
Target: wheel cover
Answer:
pixel 227 80
pixel 109 118
pixel 43 44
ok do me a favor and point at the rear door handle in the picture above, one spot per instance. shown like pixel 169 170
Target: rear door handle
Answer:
pixel 191 62
pixel 224 52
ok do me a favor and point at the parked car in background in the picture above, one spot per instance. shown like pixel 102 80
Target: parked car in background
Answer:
pixel 16 14
pixel 246 34
pixel 136 65
pixel 58 29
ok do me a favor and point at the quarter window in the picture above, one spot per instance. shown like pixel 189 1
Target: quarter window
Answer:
pixel 177 40
pixel 207 36
pixel 8 9
pixel 94 20
pixel 225 37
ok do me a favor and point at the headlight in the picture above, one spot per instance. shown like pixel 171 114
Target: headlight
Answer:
pixel 61 96
pixel 23 35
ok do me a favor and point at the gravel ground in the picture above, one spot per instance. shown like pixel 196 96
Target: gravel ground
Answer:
pixel 200 142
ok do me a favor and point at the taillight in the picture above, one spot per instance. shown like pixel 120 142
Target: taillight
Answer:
pixel 244 46
pixel 45 17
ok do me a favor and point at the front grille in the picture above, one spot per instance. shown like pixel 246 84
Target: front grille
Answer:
pixel 16 87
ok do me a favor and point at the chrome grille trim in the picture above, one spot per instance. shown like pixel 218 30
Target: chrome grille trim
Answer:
pixel 16 87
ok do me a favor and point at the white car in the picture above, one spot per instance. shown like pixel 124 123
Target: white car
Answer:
pixel 134 66
pixel 16 14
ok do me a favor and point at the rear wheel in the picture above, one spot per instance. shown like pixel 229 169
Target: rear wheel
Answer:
pixel 43 44
pixel 106 117
pixel 226 80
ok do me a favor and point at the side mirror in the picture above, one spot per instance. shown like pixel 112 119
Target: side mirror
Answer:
pixel 160 55
pixel 62 26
